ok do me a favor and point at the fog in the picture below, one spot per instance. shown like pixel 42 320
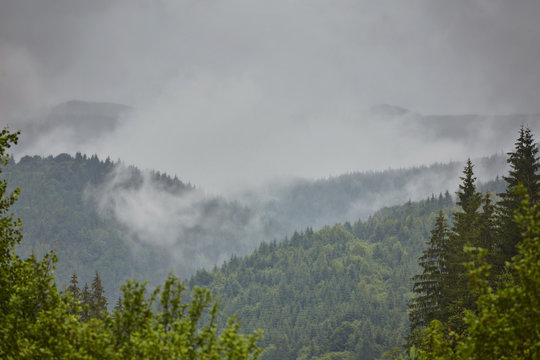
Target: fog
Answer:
pixel 238 93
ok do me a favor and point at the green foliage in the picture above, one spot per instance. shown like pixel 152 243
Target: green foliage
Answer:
pixel 38 322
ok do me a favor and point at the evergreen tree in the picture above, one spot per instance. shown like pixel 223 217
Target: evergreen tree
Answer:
pixel 75 292
pixel 98 302
pixel 428 303
pixel 464 233
pixel 86 300
pixel 524 169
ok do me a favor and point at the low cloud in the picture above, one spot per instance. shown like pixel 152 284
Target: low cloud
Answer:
pixel 228 95
pixel 196 230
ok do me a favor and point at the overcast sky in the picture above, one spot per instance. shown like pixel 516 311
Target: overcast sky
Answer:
pixel 244 90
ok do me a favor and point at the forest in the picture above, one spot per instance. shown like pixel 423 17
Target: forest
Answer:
pixel 84 206
pixel 444 277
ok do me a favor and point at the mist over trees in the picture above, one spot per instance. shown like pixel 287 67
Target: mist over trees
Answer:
pixel 38 321
pixel 130 223
pixel 274 180
pixel 340 292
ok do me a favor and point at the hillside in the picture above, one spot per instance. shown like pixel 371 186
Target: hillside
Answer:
pixel 128 223
pixel 334 293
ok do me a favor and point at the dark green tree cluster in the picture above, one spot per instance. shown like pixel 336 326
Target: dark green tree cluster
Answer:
pixel 39 322
pixel 91 300
pixel 441 290
pixel 446 291
pixel 505 324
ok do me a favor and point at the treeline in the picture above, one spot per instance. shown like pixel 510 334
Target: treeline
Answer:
pixel 478 294
pixel 39 322
pixel 316 203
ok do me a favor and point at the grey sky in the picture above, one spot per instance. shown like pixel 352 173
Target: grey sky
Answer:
pixel 234 91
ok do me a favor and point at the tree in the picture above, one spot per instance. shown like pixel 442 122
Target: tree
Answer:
pixel 86 301
pixel 428 303
pixel 98 302
pixel 75 293
pixel 456 293
pixel 524 169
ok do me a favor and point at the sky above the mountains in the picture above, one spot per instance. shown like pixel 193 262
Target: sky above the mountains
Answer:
pixel 242 91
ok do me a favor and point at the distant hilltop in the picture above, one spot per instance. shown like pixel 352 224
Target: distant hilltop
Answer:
pixel 72 123
pixel 469 129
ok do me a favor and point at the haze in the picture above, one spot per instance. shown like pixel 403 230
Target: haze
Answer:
pixel 240 92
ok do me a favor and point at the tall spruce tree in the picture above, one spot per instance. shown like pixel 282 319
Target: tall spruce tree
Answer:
pixel 524 168
pixel 75 292
pixel 86 300
pixel 428 303
pixel 464 233
pixel 98 302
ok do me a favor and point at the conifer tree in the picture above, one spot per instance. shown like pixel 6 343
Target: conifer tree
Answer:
pixel 98 302
pixel 86 300
pixel 75 292
pixel 428 302
pixel 464 233
pixel 524 168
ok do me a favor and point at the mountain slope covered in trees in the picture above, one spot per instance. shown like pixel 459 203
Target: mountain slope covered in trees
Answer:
pixel 129 223
pixel 341 292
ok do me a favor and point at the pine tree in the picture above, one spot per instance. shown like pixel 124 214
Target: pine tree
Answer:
pixel 98 302
pixel 75 293
pixel 524 168
pixel 86 299
pixel 464 233
pixel 428 302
